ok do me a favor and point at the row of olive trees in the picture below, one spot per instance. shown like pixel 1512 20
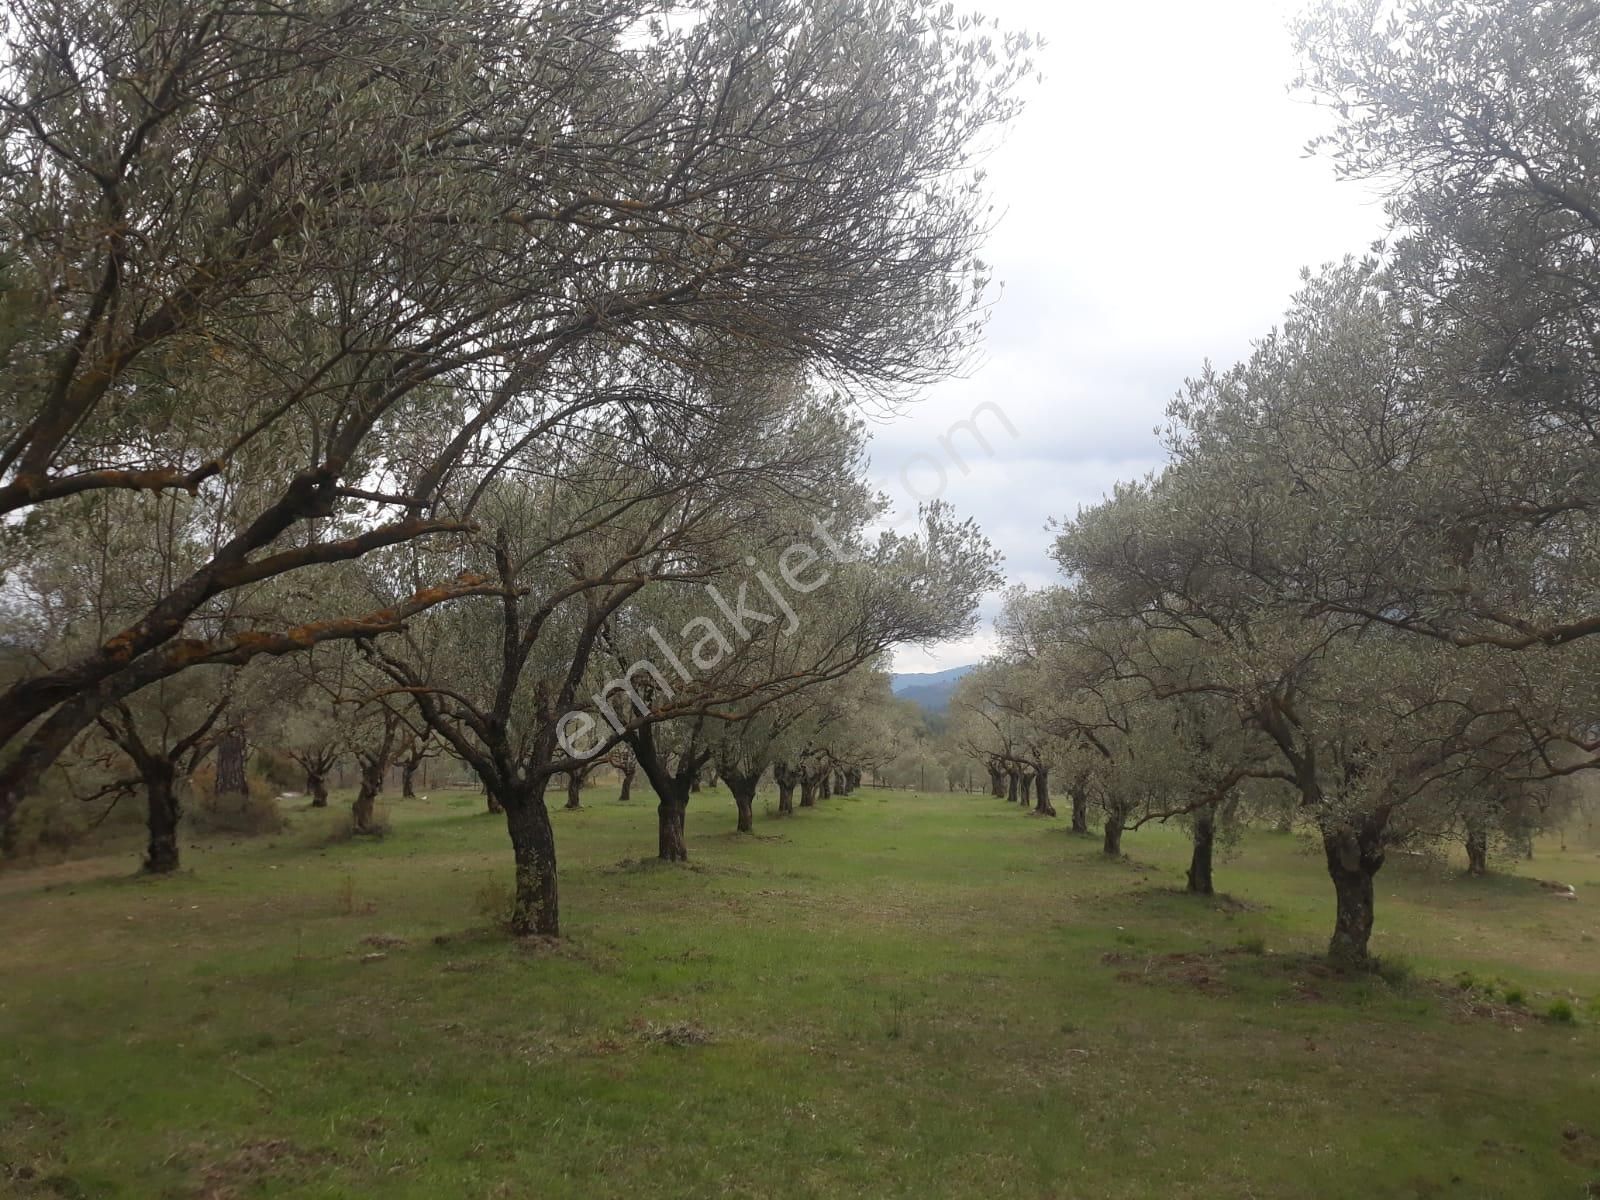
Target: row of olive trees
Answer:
pixel 459 351
pixel 1366 580
pixel 291 286
pixel 636 580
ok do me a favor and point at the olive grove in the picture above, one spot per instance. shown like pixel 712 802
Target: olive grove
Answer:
pixel 315 277
pixel 1365 580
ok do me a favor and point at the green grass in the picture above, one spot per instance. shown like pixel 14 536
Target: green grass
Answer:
pixel 885 996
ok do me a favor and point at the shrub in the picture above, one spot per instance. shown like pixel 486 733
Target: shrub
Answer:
pixel 1516 996
pixel 495 901
pixel 1561 1011
pixel 277 770
pixel 47 822
pixel 53 820
pixel 255 812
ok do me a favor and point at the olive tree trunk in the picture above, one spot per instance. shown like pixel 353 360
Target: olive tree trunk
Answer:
pixel 1041 793
pixel 670 814
pixel 743 787
pixel 1477 852
pixel 1080 810
pixel 161 815
pixel 366 801
pixel 785 777
pixel 536 908
pixel 1204 837
pixel 1355 856
pixel 672 787
pixel 1112 845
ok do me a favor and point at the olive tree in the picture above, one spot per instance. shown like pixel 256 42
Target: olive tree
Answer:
pixel 1427 418
pixel 328 269
pixel 1369 725
pixel 874 594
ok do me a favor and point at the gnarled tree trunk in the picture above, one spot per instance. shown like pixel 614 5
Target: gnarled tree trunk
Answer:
pixel 418 749
pixel 1355 856
pixel 1080 810
pixel 785 777
pixel 808 789
pixel 672 788
pixel 670 815
pixel 1112 846
pixel 626 793
pixel 317 788
pixel 1041 793
pixel 743 787
pixel 1204 837
pixel 536 908
pixel 575 780
pixel 160 767
pixel 997 781
pixel 161 817
pixel 366 801
pixel 1014 786
pixel 1477 851
pixel 1027 789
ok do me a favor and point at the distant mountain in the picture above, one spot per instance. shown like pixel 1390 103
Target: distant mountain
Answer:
pixel 930 690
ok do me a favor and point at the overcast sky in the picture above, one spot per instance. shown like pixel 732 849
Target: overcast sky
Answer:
pixel 1156 206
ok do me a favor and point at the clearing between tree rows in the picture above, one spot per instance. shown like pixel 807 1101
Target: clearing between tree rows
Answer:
pixel 886 995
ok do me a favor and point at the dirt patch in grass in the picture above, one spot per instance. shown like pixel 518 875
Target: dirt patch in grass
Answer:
pixel 645 866
pixel 1308 979
pixel 671 1033
pixel 30 1153
pixel 1220 902
pixel 1465 1006
pixel 1580 1146
pixel 242 1171
pixel 538 943
pixel 1198 971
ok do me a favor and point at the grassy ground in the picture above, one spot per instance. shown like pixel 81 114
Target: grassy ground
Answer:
pixel 886 996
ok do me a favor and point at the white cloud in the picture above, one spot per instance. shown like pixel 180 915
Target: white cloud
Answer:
pixel 1157 209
